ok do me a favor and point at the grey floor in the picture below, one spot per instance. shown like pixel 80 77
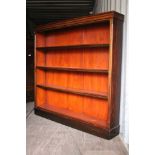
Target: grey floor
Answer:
pixel 45 137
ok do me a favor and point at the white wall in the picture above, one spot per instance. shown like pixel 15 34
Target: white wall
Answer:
pixel 122 7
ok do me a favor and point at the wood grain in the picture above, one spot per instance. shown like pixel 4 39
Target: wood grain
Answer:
pixel 73 69
pixel 40 96
pixel 40 58
pixel 40 40
pixel 40 78
pixel 74 91
pixel 78 72
pixel 115 73
pixel 102 17
pixel 96 58
pixel 96 34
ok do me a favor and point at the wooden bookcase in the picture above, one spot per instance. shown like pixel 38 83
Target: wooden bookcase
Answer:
pixel 78 72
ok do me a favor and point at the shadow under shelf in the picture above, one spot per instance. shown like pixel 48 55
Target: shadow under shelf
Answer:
pixel 72 46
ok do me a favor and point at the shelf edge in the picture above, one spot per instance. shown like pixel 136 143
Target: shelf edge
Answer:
pixel 73 69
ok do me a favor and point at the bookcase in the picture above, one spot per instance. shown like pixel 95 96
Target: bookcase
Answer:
pixel 78 72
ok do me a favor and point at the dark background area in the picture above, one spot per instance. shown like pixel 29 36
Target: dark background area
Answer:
pixel 45 11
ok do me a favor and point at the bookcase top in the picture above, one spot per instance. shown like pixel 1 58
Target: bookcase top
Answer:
pixel 101 17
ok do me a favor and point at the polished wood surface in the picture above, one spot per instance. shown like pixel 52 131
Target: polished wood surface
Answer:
pixel 72 69
pixel 102 17
pixel 74 91
pixel 78 69
pixel 92 120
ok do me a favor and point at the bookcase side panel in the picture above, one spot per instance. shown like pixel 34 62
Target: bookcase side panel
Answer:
pixel 116 72
pixel 40 94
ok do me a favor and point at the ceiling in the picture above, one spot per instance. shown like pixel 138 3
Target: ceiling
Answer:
pixel 44 11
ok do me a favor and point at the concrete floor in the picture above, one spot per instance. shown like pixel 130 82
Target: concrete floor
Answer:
pixel 45 137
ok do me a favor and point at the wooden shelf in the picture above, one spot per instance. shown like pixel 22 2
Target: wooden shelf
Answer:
pixel 71 69
pixel 67 113
pixel 73 91
pixel 72 46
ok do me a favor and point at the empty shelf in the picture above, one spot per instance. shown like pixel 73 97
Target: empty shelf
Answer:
pixel 69 114
pixel 74 69
pixel 74 91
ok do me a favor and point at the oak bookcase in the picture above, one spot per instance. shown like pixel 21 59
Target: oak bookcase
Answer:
pixel 78 72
